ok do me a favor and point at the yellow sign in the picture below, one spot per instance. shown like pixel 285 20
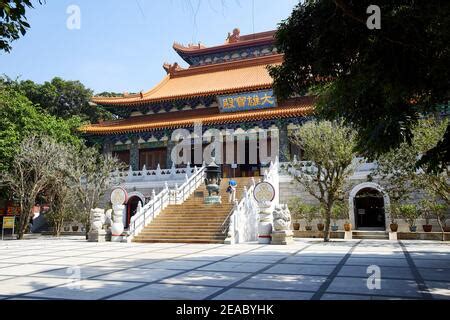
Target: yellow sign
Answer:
pixel 8 222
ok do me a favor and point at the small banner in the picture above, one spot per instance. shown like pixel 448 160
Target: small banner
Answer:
pixel 247 101
pixel 8 222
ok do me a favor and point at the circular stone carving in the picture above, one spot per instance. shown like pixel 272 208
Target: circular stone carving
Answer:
pixel 264 192
pixel 119 196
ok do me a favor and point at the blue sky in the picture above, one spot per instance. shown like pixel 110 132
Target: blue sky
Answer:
pixel 122 45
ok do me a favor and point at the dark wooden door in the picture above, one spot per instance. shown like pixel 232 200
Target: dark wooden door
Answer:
pixel 152 157
pixel 123 156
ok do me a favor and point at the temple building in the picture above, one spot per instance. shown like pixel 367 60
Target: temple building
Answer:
pixel 225 91
pixel 225 87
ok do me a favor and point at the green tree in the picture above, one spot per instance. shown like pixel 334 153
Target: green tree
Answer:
pixel 330 146
pixel 92 172
pixel 397 168
pixel 36 165
pixel 61 98
pixel 19 118
pixel 380 80
pixel 13 22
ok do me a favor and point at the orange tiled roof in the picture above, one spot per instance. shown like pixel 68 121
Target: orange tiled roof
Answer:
pixel 208 116
pixel 244 40
pixel 221 78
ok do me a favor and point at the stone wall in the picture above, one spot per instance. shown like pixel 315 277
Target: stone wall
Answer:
pixel 289 189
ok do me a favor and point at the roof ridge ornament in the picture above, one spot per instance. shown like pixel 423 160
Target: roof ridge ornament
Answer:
pixel 172 68
pixel 233 37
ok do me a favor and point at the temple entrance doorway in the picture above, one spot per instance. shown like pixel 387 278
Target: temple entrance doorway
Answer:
pixel 132 206
pixel 369 209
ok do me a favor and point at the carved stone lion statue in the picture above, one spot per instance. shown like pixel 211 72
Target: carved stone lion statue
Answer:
pixel 281 217
pixel 97 219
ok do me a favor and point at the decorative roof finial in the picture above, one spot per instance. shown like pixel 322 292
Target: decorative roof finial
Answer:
pixel 234 37
pixel 172 68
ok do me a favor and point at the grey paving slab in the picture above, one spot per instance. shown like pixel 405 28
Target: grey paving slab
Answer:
pixel 207 278
pixel 386 271
pixel 70 261
pixel 254 258
pixel 26 259
pixel 430 255
pixel 21 285
pixel 435 274
pixel 85 290
pixel 251 294
pixel 379 261
pixel 159 291
pixel 389 287
pixel 26 269
pixel 284 282
pixel 138 275
pixel 438 289
pixel 83 271
pixel 155 255
pixel 304 269
pixel 110 268
pixel 203 256
pixel 432 263
pixel 234 266
pixel 121 263
pixel 332 296
pixel 313 260
pixel 175 264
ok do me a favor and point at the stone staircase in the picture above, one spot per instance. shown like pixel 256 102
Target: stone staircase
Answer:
pixel 193 221
pixel 370 235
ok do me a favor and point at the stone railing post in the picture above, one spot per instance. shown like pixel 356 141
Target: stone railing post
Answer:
pixel 265 222
pixel 117 226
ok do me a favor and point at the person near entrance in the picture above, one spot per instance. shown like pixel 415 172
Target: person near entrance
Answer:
pixel 231 190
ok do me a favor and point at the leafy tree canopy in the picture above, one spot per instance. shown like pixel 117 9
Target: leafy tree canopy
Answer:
pixel 19 118
pixel 380 81
pixel 61 98
pixel 13 22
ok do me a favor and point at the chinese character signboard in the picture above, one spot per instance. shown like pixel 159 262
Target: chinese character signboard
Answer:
pixel 8 223
pixel 247 101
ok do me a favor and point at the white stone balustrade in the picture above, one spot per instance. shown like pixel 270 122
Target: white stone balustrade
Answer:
pixel 144 175
pixel 244 218
pixel 144 215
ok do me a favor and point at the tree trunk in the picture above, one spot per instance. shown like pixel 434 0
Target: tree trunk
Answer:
pixel 326 232
pixel 442 228
pixel 23 221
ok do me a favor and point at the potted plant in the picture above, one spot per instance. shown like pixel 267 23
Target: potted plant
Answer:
pixel 320 216
pixel 339 211
pixel 440 211
pixel 309 215
pixel 410 213
pixel 393 215
pixel 295 206
pixel 427 214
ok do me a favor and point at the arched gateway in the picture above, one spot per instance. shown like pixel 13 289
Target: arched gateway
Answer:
pixel 369 207
pixel 133 200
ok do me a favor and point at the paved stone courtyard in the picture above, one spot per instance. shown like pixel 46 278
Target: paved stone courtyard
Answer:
pixel 71 268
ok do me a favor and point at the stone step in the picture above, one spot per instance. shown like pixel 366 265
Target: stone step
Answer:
pixel 175 237
pixel 370 235
pixel 161 240
pixel 179 234
pixel 193 221
pixel 177 228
